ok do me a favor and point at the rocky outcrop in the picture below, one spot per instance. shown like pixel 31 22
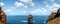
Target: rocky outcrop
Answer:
pixel 51 17
pixel 54 18
pixel 2 17
pixel 30 19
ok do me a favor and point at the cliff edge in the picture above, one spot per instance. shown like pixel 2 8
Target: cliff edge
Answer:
pixel 54 18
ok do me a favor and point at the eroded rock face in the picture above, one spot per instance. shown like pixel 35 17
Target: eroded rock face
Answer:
pixel 51 16
pixel 30 19
pixel 2 17
pixel 58 14
pixel 54 18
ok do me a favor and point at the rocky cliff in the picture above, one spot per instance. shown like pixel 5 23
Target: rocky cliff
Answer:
pixel 54 18
pixel 2 17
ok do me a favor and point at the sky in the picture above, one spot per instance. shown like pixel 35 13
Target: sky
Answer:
pixel 26 7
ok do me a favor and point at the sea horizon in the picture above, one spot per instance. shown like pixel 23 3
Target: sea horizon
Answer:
pixel 24 19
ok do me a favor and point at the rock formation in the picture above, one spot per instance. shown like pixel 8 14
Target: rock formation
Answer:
pixel 54 18
pixel 30 19
pixel 51 16
pixel 2 17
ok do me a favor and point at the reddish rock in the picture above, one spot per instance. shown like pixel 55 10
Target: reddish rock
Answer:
pixel 54 18
pixel 2 17
pixel 30 19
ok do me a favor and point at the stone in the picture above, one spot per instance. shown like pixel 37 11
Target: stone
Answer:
pixel 54 18
pixel 2 17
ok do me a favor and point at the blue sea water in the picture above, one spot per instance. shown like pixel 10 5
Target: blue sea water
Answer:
pixel 23 19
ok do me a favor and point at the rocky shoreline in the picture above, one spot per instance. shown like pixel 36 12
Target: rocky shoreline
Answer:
pixel 54 18
pixel 2 17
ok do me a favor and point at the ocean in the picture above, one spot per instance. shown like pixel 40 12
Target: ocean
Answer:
pixel 23 19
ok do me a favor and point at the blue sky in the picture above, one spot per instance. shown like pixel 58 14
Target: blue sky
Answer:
pixel 26 7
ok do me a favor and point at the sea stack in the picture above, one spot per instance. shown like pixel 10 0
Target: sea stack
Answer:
pixel 30 19
pixel 54 18
pixel 2 17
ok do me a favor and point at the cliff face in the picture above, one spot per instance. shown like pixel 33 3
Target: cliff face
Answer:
pixel 2 17
pixel 51 17
pixel 54 18
pixel 54 21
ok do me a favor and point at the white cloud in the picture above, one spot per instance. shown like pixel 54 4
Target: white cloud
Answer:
pixel 29 2
pixel 36 11
pixel 54 7
pixel 32 4
pixel 20 4
pixel 40 10
pixel 44 10
pixel 47 6
pixel 24 12
pixel 24 3
pixel 1 4
pixel 26 6
pixel 9 11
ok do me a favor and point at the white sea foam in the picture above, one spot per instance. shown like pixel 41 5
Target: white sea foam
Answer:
pixel 44 22
pixel 26 21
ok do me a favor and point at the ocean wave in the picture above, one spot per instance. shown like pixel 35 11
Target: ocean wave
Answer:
pixel 26 21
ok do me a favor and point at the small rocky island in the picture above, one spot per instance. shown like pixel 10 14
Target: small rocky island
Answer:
pixel 2 17
pixel 54 18
pixel 30 19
